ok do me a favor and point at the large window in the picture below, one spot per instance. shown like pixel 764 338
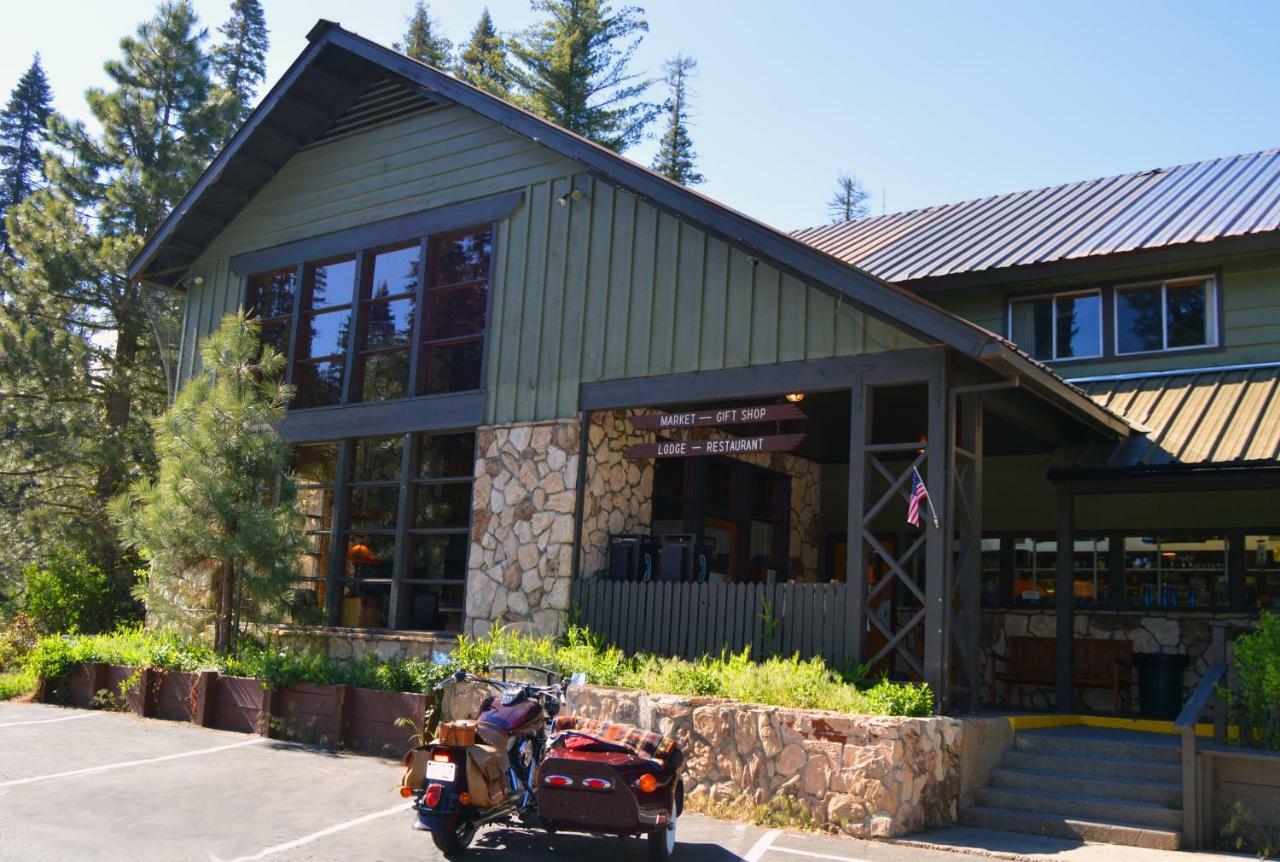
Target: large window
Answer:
pixel 396 515
pixel 1166 315
pixel 1062 326
pixel 350 325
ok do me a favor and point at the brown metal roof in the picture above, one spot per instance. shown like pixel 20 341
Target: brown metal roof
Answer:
pixel 1211 417
pixel 1201 202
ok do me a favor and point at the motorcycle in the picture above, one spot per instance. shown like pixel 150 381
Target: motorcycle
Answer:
pixel 520 763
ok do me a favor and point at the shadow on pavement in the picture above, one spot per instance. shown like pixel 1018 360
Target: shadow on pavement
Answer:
pixel 495 842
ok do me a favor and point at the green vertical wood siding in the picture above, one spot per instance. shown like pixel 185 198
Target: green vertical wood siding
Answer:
pixel 602 287
pixel 608 287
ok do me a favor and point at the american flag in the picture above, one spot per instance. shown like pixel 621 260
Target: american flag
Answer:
pixel 919 496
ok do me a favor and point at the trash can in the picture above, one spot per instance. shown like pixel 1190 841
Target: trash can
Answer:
pixel 1159 684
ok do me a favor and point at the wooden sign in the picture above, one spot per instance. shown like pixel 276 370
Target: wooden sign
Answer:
pixel 721 416
pixel 728 446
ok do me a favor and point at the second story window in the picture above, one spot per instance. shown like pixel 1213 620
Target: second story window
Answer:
pixel 1166 315
pixel 350 325
pixel 1059 326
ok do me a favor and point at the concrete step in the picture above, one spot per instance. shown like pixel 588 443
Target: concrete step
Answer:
pixel 1156 792
pixel 1129 770
pixel 1108 749
pixel 1080 807
pixel 1059 826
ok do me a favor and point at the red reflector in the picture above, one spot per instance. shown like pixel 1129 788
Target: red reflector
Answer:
pixel 440 757
pixel 432 796
pixel 558 780
pixel 596 784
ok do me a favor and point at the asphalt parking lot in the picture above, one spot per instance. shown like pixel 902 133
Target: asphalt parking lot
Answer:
pixel 79 784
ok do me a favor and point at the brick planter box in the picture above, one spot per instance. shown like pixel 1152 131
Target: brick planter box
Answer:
pixel 335 716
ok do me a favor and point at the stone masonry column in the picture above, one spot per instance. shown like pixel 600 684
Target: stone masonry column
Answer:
pixel 521 556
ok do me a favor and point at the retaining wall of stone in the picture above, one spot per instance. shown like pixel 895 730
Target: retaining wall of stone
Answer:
pixel 864 775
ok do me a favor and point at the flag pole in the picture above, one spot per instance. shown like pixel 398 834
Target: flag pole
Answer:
pixel 928 498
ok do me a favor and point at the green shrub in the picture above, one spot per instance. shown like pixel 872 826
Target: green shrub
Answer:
pixel 18 634
pixel 67 594
pixel 16 683
pixel 1257 662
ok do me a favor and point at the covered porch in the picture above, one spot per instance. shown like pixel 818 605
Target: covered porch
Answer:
pixel 696 533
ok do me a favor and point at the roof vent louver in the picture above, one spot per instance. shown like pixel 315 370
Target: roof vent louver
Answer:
pixel 385 100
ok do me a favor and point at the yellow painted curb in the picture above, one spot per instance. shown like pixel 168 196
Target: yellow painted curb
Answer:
pixel 1143 725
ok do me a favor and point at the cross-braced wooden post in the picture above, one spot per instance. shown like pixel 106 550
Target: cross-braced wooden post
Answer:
pixel 966 504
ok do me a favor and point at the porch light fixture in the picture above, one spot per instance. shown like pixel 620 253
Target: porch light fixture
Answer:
pixel 794 397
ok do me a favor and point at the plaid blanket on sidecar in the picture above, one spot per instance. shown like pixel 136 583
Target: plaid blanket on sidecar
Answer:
pixel 644 743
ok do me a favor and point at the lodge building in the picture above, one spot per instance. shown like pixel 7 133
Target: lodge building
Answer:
pixel 536 381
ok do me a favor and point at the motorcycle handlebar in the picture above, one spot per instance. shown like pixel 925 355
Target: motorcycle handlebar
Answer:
pixel 463 676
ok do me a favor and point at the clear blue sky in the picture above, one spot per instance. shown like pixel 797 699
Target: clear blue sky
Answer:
pixel 926 102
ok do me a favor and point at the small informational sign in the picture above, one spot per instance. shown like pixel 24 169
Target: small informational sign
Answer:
pixel 718 416
pixel 727 446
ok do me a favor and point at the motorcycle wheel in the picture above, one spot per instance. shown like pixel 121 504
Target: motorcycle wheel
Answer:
pixel 454 843
pixel 662 842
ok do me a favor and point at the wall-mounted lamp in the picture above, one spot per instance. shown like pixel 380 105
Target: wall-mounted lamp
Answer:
pixel 794 397
pixel 198 280
pixel 575 195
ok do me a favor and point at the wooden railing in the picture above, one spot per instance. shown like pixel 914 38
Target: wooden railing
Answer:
pixel 689 620
pixel 1195 781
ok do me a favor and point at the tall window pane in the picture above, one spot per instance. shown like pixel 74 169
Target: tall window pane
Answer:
pixel 1079 322
pixel 1033 326
pixel 331 283
pixel 1139 320
pixel 314 467
pixel 456 298
pixel 1186 318
pixel 390 296
pixel 271 297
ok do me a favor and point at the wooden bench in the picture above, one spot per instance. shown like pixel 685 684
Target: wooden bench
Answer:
pixel 1099 663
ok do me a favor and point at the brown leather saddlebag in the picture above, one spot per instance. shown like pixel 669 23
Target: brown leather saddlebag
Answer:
pixel 460 733
pixel 415 768
pixel 485 781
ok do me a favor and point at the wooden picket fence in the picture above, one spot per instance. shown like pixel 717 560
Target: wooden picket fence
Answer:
pixel 691 620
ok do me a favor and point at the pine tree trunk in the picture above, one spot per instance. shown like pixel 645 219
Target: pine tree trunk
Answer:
pixel 222 628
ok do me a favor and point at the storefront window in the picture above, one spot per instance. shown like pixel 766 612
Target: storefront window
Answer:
pixel 401 568
pixel 991 567
pixel 1262 571
pixel 1175 571
pixel 1035 570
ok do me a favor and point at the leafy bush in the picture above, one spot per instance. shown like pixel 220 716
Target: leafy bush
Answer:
pixel 18 635
pixel 1257 663
pixel 794 682
pixel 67 594
pixel 16 683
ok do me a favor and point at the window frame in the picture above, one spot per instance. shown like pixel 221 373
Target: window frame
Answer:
pixel 1054 296
pixel 1108 288
pixel 1211 325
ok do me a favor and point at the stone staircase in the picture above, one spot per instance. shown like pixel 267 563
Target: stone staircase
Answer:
pixel 1092 784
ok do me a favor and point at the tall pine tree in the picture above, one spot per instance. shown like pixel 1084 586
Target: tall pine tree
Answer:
pixel 483 61
pixel 81 346
pixel 850 200
pixel 22 138
pixel 573 69
pixel 675 159
pixel 240 61
pixel 422 41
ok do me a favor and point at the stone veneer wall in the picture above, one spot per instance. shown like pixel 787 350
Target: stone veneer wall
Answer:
pixel 1171 633
pixel 619 492
pixel 348 644
pixel 865 775
pixel 522 521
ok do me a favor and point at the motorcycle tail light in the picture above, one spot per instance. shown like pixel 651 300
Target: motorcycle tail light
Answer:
pixel 406 792
pixel 558 780
pixel 432 796
pixel 597 784
pixel 464 797
pixel 647 782
pixel 440 756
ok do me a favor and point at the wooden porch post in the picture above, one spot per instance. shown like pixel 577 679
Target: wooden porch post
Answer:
pixel 938 582
pixel 855 558
pixel 1064 695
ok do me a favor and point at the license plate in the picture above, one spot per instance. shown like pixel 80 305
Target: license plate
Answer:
pixel 441 771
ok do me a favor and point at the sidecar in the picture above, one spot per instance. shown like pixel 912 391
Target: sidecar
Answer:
pixel 606 778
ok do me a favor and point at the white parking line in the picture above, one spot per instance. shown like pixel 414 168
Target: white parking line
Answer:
pixel 52 720
pixel 761 847
pixel 812 855
pixel 323 833
pixel 127 763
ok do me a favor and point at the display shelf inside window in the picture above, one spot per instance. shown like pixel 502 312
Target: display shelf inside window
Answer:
pixel 314 469
pixel 1185 573
pixel 1262 571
